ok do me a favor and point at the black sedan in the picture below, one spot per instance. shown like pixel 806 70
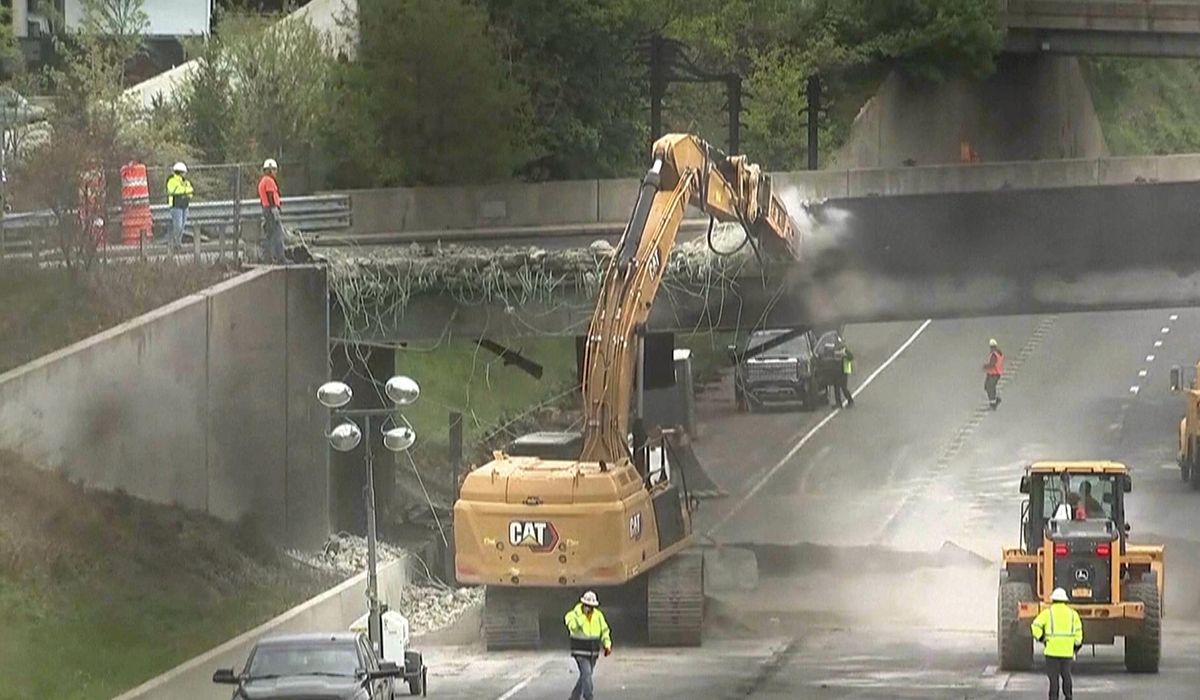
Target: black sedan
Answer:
pixel 340 666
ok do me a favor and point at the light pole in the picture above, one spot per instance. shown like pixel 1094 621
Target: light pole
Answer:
pixel 344 437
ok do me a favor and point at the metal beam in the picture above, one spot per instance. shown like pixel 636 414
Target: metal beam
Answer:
pixel 1146 44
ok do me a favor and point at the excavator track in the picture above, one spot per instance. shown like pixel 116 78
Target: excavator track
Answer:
pixel 510 619
pixel 675 601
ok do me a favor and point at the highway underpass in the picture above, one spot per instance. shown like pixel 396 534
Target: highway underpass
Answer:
pixel 903 257
pixel 876 530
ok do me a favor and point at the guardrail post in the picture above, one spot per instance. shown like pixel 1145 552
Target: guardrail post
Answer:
pixel 237 217
pixel 196 245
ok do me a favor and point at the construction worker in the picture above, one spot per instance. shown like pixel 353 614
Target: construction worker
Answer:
pixel 268 197
pixel 1087 506
pixel 841 376
pixel 1059 628
pixel 179 195
pixel 589 636
pixel 993 370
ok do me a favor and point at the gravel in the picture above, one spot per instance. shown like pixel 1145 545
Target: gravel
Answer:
pixel 428 606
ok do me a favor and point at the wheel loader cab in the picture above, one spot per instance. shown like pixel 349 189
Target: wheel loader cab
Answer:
pixel 1074 536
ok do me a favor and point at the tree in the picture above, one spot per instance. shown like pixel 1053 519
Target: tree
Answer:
pixel 93 129
pixel 429 100
pixel 583 64
pixel 261 88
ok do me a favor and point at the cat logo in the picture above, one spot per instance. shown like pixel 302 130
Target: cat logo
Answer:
pixel 635 526
pixel 537 535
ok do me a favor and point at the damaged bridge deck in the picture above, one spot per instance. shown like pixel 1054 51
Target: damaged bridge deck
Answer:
pixel 866 259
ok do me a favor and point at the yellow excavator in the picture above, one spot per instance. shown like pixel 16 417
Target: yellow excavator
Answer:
pixel 609 509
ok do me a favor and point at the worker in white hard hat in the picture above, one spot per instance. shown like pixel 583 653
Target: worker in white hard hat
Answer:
pixel 993 369
pixel 1060 629
pixel 179 195
pixel 268 197
pixel 589 637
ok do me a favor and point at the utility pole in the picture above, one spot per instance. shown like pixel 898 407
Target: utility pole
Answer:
pixel 813 93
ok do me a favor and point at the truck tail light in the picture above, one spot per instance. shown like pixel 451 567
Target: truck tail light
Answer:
pixel 1103 549
pixel 1060 549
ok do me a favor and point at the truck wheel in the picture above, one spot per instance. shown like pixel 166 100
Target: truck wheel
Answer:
pixel 1142 651
pixel 1014 645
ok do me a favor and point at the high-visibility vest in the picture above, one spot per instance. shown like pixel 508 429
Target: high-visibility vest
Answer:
pixel 1060 628
pixel 848 365
pixel 179 191
pixel 588 635
pixel 995 365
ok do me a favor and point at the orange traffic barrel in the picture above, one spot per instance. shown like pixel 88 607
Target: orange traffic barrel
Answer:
pixel 136 221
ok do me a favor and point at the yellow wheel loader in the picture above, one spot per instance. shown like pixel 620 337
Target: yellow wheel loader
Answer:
pixel 1189 428
pixel 562 513
pixel 1074 536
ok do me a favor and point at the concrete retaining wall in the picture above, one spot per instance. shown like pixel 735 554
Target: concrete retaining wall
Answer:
pixel 609 202
pixel 332 611
pixel 206 403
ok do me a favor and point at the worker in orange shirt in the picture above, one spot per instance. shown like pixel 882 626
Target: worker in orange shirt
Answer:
pixel 993 370
pixel 268 197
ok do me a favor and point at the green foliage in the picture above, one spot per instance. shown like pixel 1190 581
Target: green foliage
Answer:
pixel 261 88
pixel 1145 106
pixel 430 99
pixel 581 62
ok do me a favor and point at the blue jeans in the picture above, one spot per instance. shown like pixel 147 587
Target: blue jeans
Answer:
pixel 273 248
pixel 583 686
pixel 178 222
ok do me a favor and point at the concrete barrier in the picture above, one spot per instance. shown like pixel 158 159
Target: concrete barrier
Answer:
pixel 332 611
pixel 506 208
pixel 158 406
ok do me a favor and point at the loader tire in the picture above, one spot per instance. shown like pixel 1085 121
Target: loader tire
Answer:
pixel 1014 645
pixel 1143 651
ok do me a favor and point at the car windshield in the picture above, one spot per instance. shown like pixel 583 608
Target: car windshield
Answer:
pixel 794 347
pixel 316 659
pixel 1079 496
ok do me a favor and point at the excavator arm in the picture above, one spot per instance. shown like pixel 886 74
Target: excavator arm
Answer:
pixel 685 170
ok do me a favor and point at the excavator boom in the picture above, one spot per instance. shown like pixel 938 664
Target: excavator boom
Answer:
pixel 686 170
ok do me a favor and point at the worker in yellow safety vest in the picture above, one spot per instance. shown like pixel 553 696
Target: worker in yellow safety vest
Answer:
pixel 1060 629
pixel 589 636
pixel 179 196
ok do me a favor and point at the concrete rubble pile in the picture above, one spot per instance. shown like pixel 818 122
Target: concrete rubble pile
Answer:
pixel 428 606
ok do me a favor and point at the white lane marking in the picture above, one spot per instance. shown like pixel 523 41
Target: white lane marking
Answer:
pixel 1158 343
pixel 1143 372
pixel 762 480
pixel 1166 330
pixel 1134 389
pixel 1169 466
pixel 990 671
pixel 1149 358
pixel 1173 317
pixel 522 684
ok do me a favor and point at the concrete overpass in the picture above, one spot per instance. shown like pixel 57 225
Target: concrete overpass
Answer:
pixel 907 244
pixel 1151 28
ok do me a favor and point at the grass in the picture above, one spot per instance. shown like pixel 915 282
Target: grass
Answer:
pixel 458 377
pixel 42 310
pixel 99 592
pixel 1146 106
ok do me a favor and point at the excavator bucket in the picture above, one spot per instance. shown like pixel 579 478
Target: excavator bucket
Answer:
pixel 698 482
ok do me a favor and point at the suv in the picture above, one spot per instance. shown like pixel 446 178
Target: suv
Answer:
pixel 340 666
pixel 770 370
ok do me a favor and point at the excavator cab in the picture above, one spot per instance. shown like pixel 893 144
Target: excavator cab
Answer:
pixel 1074 536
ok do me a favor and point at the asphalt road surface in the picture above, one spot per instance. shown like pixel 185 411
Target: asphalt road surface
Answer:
pixel 855 556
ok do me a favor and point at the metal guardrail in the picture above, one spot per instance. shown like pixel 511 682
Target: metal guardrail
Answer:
pixel 317 213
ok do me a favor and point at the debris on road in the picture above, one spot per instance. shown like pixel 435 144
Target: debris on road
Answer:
pixel 428 606
pixel 345 555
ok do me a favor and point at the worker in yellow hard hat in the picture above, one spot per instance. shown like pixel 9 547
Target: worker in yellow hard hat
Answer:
pixel 590 636
pixel 1060 629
